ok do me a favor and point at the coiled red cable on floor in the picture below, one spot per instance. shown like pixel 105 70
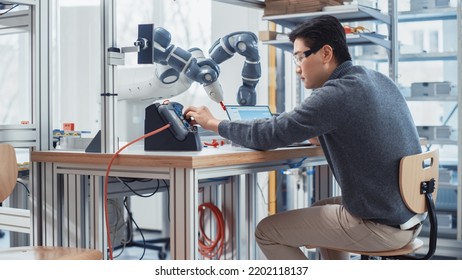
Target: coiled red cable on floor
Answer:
pixel 207 247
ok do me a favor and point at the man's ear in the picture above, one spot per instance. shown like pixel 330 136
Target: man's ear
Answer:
pixel 327 53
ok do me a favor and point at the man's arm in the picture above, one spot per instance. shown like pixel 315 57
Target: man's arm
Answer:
pixel 203 117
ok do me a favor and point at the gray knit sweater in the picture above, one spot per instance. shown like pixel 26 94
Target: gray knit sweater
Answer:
pixel 365 128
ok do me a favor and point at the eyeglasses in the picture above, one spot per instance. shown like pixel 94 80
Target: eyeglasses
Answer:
pixel 299 57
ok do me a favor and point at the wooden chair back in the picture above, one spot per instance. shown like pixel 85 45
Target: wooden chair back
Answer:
pixel 8 170
pixel 415 169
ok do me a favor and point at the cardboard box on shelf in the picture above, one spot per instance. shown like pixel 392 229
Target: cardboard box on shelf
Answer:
pixel 417 5
pixel 435 133
pixel 280 7
pixel 267 35
pixel 428 89
pixel 271 35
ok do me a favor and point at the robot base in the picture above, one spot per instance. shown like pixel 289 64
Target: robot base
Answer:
pixel 165 140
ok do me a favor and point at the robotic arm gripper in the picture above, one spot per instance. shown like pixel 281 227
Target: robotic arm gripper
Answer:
pixel 245 44
pixel 191 63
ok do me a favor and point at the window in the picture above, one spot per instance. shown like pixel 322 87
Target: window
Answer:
pixel 15 66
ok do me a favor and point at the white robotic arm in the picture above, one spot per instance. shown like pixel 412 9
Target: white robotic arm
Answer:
pixel 151 82
pixel 176 69
pixel 161 80
pixel 245 44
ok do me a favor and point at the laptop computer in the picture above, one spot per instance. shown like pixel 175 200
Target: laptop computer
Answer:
pixel 236 112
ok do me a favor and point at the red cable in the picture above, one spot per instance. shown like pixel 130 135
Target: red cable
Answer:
pixel 106 180
pixel 207 247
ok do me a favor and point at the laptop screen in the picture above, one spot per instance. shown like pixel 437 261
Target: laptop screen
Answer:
pixel 236 112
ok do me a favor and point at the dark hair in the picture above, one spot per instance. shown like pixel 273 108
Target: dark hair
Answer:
pixel 320 31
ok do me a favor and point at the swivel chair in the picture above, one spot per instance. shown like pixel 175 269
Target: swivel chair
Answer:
pixel 418 180
pixel 8 176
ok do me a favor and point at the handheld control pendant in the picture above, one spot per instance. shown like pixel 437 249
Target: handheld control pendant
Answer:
pixel 172 113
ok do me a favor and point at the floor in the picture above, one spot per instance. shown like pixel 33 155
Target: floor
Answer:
pixel 137 249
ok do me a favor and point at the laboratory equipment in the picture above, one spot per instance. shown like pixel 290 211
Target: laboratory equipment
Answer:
pixel 181 136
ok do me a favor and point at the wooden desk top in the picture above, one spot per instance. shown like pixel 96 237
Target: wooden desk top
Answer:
pixel 208 157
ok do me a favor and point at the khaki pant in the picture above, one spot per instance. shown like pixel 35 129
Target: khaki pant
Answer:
pixel 326 224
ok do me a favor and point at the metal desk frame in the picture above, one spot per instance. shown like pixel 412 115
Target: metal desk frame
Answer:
pixel 68 199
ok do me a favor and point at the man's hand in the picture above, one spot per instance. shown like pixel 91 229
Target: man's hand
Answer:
pixel 203 117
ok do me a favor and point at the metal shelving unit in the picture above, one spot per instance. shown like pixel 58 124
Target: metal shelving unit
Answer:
pixel 449 237
pixel 356 13
pixel 432 98
pixel 353 13
pixel 359 40
pixel 428 15
pixel 347 13
pixel 412 57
